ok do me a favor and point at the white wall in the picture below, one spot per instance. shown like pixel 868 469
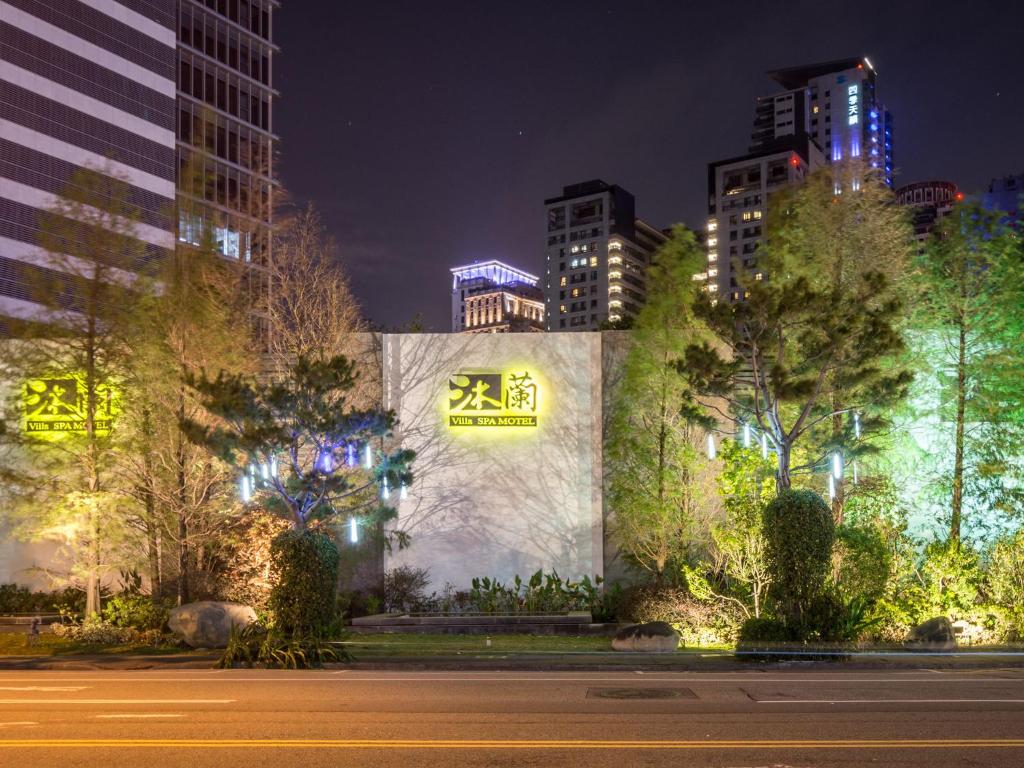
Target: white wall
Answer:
pixel 499 501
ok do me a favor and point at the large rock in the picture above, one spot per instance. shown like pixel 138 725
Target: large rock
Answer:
pixel 655 637
pixel 933 635
pixel 208 623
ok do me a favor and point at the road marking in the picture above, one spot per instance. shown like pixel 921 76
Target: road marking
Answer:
pixel 511 745
pixel 42 688
pixel 25 702
pixel 890 701
pixel 118 717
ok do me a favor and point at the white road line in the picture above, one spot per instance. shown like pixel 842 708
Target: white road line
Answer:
pixel 24 702
pixel 43 688
pixel 892 701
pixel 117 717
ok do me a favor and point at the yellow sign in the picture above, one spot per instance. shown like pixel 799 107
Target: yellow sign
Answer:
pixel 58 406
pixel 507 399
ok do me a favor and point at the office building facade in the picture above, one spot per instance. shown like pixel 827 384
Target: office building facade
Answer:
pixel 827 113
pixel 493 297
pixel 928 201
pixel 597 256
pixel 83 83
pixel 225 125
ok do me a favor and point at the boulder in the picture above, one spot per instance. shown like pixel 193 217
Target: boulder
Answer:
pixel 208 623
pixel 933 635
pixel 655 637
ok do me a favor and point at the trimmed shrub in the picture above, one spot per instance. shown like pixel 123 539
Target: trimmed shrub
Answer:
pixel 130 609
pixel 861 562
pixel 799 534
pixel 305 570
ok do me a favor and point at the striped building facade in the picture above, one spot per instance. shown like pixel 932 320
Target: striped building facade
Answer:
pixel 83 83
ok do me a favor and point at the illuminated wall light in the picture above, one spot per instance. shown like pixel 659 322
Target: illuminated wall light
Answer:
pixel 711 447
pixel 353 530
pixel 837 465
pixel 369 456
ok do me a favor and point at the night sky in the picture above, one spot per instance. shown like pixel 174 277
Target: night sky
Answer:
pixel 428 133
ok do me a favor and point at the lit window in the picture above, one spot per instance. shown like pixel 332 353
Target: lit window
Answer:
pixel 561 281
pixel 713 287
pixel 815 109
pixel 614 289
pixel 712 273
pixel 614 245
pixel 757 214
pixel 759 276
pixel 583 248
pixel 561 309
pixel 614 274
pixel 747 215
pixel 575 249
pixel 712 256
pixel 712 225
pixel 712 241
pixel 593 261
pixel 614 259
pixel 614 303
pixel 575 292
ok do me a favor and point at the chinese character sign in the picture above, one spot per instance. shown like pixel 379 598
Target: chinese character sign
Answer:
pixel 507 399
pixel 853 104
pixel 58 406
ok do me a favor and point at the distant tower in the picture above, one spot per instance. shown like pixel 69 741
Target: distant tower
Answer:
pixel 828 112
pixel 597 257
pixel 493 297
pixel 929 201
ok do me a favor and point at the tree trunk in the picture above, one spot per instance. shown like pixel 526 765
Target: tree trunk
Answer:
pixel 182 504
pixel 958 461
pixel 783 451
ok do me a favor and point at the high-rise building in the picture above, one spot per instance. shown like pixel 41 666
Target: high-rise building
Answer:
pixel 1007 194
pixel 598 252
pixel 493 297
pixel 83 83
pixel 928 201
pixel 828 113
pixel 225 109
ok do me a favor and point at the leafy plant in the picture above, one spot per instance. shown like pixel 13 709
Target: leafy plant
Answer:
pixel 404 588
pixel 305 566
pixel 256 645
pixel 134 610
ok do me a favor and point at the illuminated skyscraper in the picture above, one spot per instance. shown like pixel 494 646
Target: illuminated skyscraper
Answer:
pixel 492 297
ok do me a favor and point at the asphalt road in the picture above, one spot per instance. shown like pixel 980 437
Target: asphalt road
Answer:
pixel 793 718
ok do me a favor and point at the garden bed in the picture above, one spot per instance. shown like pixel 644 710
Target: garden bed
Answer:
pixel 477 623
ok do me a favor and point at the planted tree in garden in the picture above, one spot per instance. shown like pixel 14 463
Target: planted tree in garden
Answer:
pixel 662 487
pixel 967 414
pixel 812 341
pixel 71 362
pixel 303 451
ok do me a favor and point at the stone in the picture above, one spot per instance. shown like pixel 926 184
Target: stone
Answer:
pixel 932 635
pixel 654 637
pixel 208 623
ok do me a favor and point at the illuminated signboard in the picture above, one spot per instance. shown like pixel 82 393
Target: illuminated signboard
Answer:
pixel 58 406
pixel 853 102
pixel 488 399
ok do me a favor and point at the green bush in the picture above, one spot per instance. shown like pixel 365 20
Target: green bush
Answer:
pixel 698 622
pixel 18 599
pixel 131 609
pixel 305 574
pixel 254 645
pixel 799 534
pixel 1005 581
pixel 763 630
pixel 861 561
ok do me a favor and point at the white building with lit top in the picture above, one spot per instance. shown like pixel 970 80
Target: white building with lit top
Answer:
pixel 494 297
pixel 828 113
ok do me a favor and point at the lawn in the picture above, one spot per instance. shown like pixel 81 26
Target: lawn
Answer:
pixel 385 644
pixel 50 645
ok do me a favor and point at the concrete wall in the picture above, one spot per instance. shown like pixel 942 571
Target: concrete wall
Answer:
pixel 500 500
